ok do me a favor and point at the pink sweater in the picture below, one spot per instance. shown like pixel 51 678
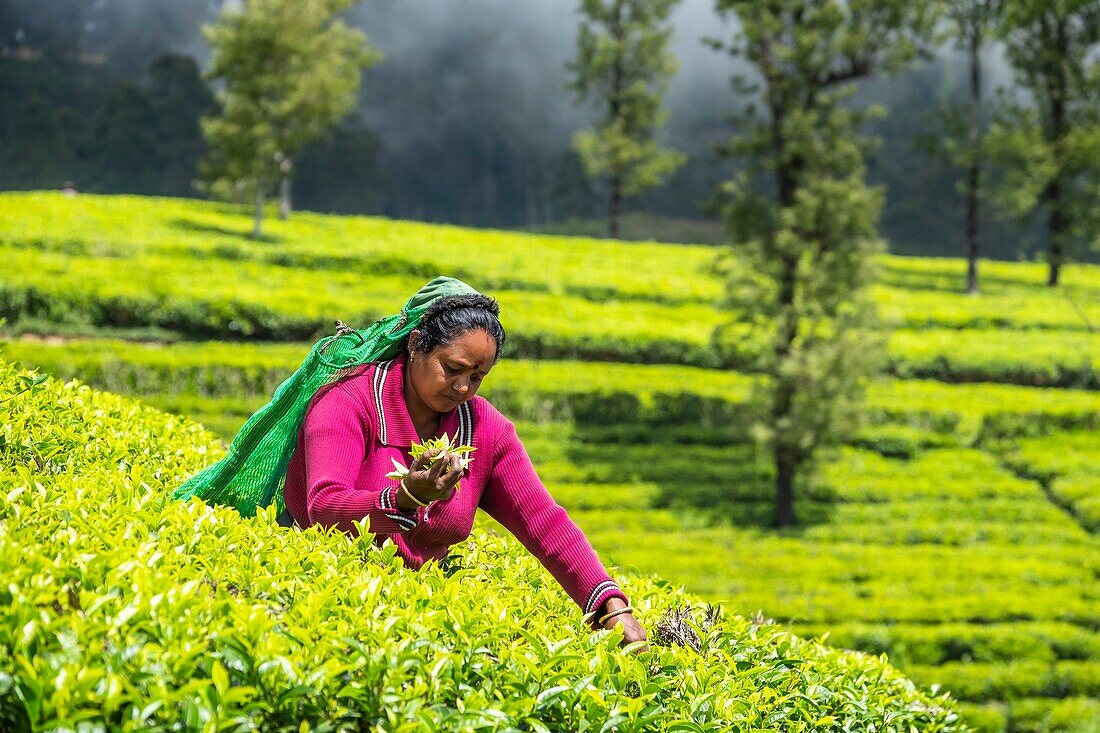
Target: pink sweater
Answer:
pixel 338 474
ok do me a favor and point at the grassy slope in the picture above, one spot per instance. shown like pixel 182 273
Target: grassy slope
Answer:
pixel 961 537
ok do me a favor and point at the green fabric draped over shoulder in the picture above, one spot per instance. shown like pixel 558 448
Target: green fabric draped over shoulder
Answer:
pixel 251 475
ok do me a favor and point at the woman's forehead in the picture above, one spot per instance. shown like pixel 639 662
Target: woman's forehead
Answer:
pixel 476 349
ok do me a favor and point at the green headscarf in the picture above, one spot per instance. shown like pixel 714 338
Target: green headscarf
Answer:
pixel 253 472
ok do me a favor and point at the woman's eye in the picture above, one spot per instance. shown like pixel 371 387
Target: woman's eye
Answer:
pixel 476 378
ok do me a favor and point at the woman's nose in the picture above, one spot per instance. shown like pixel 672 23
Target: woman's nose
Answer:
pixel 462 386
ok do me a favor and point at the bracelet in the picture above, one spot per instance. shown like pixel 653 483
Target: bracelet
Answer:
pixel 613 614
pixel 410 495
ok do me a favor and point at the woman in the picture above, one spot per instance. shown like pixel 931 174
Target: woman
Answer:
pixel 355 427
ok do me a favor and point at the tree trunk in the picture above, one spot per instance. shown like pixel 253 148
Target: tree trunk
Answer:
pixel 974 172
pixel 1057 230
pixel 783 398
pixel 258 214
pixel 787 176
pixel 284 197
pixel 784 489
pixel 615 202
pixel 614 208
pixel 1054 192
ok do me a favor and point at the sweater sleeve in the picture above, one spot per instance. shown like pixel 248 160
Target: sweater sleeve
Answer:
pixel 335 442
pixel 516 498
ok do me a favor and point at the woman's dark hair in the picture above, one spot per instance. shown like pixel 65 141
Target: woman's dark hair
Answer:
pixel 448 318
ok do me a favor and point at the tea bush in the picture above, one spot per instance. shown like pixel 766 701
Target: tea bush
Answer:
pixel 201 298
pixel 1072 715
pixel 197 300
pixel 1060 359
pixel 924 413
pixel 940 643
pixel 127 610
pixel 124 226
pixel 1068 466
pixel 1013 680
pixel 1035 715
pixel 1034 358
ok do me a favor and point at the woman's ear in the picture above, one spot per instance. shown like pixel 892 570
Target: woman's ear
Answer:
pixel 414 340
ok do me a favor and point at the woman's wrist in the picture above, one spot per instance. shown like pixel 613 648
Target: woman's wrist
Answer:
pixel 405 499
pixel 612 615
pixel 611 605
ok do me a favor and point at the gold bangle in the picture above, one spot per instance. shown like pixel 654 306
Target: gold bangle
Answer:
pixel 617 612
pixel 409 494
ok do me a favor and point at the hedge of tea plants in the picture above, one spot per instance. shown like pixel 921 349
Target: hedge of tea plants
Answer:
pixel 588 392
pixel 218 367
pixel 1038 358
pixel 200 298
pixel 156 296
pixel 1068 468
pixel 171 268
pixel 122 609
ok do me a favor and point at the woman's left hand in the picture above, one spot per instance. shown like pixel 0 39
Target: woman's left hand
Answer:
pixel 632 630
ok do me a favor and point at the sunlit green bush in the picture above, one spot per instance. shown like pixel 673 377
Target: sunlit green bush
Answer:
pixel 1068 464
pixel 939 643
pixel 1013 680
pixel 604 393
pixel 1039 358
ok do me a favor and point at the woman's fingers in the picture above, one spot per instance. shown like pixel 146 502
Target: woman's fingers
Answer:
pixel 454 472
pixel 436 482
pixel 422 462
pixel 632 631
pixel 437 470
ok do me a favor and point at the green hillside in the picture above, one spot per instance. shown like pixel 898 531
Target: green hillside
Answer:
pixel 956 533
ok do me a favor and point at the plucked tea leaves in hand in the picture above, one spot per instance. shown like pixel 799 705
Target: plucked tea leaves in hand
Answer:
pixel 443 448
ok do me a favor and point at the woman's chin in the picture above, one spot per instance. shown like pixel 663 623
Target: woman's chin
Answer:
pixel 446 404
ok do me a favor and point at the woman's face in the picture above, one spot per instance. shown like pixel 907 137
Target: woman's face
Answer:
pixel 450 374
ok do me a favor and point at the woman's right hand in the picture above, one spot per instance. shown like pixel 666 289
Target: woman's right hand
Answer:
pixel 430 484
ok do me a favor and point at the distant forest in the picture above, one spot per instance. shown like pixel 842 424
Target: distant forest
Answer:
pixel 465 120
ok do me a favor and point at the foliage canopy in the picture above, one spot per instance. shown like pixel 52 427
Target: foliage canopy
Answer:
pixel 291 70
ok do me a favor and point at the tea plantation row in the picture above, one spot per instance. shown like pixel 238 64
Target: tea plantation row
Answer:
pixel 1031 358
pixel 1010 561
pixel 120 227
pixel 590 393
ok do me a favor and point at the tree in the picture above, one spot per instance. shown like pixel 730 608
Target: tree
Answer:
pixel 127 153
pixel 1050 148
pixel 802 217
pixel 291 71
pixel 972 23
pixel 180 98
pixel 623 61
